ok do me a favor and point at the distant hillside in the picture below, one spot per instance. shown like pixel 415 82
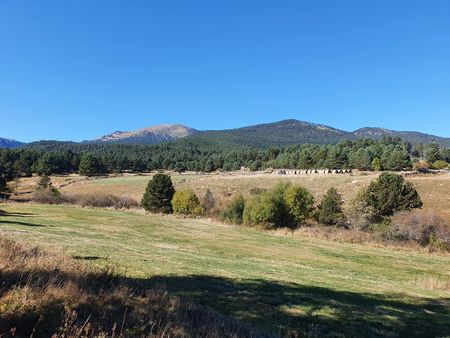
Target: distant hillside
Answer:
pixel 291 132
pixel 283 133
pixel 410 136
pixel 150 135
pixel 7 143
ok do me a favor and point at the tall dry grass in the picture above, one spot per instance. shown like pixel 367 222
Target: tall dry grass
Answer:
pixel 48 295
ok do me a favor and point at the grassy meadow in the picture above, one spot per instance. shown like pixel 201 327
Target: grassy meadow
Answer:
pixel 287 286
pixel 433 189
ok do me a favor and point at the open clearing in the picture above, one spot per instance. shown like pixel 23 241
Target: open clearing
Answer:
pixel 279 283
pixel 433 189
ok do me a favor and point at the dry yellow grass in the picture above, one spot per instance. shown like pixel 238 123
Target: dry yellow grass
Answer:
pixel 433 189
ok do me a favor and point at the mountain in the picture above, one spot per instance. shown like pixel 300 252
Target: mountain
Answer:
pixel 409 136
pixel 150 135
pixel 282 133
pixel 291 132
pixel 7 143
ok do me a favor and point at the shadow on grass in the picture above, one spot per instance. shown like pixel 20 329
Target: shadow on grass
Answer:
pixel 28 224
pixel 14 214
pixel 279 309
pixel 288 309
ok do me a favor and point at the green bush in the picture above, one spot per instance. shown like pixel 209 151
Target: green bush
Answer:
pixel 186 202
pixel 390 193
pixel 329 211
pixel 269 209
pixel 283 206
pixel 158 194
pixel 300 204
pixel 234 211
pixel 440 164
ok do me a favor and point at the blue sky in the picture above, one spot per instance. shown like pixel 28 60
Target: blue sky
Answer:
pixel 74 70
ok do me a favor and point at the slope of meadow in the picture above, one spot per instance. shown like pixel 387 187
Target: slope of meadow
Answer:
pixel 281 284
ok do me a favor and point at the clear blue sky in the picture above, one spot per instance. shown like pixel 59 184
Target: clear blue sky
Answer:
pixel 74 70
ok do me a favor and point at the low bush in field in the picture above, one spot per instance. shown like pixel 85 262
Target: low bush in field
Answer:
pixel 84 200
pixel 48 197
pixel 234 211
pixel 425 228
pixel 100 201
pixel 186 202
pixel 283 206
pixel 46 295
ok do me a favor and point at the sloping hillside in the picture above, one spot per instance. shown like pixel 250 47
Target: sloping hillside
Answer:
pixel 283 133
pixel 291 132
pixel 7 143
pixel 409 136
pixel 150 135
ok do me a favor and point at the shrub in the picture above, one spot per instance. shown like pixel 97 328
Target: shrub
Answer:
pixel 376 164
pixel 158 194
pixel 48 196
pixel 300 204
pixel 361 215
pixel 329 211
pixel 268 209
pixel 46 193
pixel 234 211
pixel 425 228
pixel 99 201
pixel 440 164
pixel 390 193
pixel 186 202
pixel 208 201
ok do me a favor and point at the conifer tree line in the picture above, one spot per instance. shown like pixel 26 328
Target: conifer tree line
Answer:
pixel 91 159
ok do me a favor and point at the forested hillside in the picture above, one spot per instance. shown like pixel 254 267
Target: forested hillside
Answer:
pixel 199 154
pixel 294 132
pixel 7 143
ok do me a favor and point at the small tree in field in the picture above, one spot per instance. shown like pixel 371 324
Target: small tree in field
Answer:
pixel 208 201
pixel 300 204
pixel 44 183
pixel 329 211
pixel 158 194
pixel 391 193
pixel 186 202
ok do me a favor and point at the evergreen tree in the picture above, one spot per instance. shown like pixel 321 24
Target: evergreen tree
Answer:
pixel 44 183
pixel 158 194
pixel 4 190
pixel 329 211
pixel 432 153
pixel 390 193
pixel 376 164
pixel 90 165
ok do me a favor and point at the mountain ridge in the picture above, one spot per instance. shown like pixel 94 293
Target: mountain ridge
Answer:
pixel 10 143
pixel 275 134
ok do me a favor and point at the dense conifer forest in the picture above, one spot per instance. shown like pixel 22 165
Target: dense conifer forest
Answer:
pixel 199 154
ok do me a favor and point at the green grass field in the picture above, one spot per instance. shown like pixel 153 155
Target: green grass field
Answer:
pixel 281 284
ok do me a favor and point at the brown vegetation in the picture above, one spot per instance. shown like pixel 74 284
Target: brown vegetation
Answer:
pixel 45 294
